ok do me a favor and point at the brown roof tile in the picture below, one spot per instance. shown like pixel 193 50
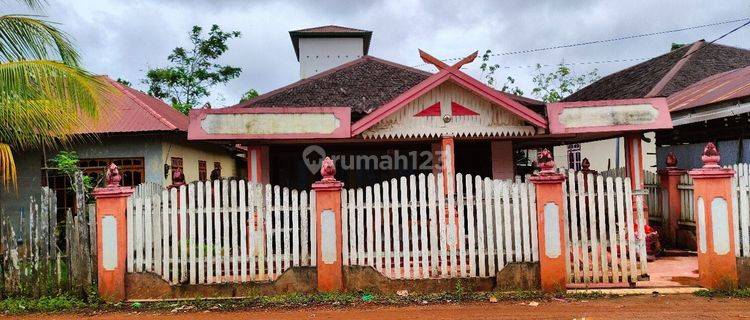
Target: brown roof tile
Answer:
pixel 637 81
pixel 363 85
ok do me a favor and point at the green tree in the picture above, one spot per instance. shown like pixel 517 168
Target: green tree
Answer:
pixel 123 82
pixel 488 73
pixel 43 90
pixel 556 85
pixel 252 93
pixel 193 71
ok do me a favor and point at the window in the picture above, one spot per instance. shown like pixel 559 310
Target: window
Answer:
pixel 574 156
pixel 201 170
pixel 132 171
pixel 177 164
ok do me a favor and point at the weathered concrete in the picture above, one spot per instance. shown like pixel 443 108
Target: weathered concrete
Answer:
pixel 151 286
pixel 519 276
pixel 743 272
pixel 357 278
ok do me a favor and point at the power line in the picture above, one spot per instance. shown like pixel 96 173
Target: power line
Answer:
pixel 717 39
pixel 544 65
pixel 578 44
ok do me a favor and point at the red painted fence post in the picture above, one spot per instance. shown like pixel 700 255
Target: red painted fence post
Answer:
pixel 550 228
pixel 111 236
pixel 669 179
pixel 717 264
pixel 328 229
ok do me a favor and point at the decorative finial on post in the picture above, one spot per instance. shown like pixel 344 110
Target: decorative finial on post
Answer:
pixel 710 156
pixel 113 176
pixel 178 178
pixel 546 162
pixel 328 170
pixel 585 164
pixel 671 160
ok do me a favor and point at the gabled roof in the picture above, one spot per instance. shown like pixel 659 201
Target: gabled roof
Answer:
pixel 331 31
pixel 364 85
pixel 666 74
pixel 730 85
pixel 135 111
pixel 454 74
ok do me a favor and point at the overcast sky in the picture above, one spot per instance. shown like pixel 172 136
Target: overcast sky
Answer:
pixel 124 38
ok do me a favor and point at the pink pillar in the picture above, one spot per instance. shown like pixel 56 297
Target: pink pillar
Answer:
pixel 447 163
pixel 712 186
pixel 669 179
pixel 111 240
pixel 257 164
pixel 328 229
pixel 550 227
pixel 634 166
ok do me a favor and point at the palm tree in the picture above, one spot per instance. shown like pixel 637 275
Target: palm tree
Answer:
pixel 43 90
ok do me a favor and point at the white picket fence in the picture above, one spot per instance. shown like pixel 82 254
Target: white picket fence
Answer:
pixel 420 227
pixel 655 198
pixel 220 231
pixel 686 200
pixel 605 241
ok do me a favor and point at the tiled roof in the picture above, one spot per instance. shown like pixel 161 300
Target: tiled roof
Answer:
pixel 330 29
pixel 130 110
pixel 721 87
pixel 653 77
pixel 363 84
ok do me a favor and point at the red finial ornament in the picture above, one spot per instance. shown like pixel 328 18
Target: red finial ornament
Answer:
pixel 328 170
pixel 178 178
pixel 113 176
pixel 710 156
pixel 546 162
pixel 671 160
pixel 585 164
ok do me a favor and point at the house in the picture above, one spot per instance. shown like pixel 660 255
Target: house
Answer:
pixel 144 136
pixel 661 76
pixel 380 120
pixel 715 109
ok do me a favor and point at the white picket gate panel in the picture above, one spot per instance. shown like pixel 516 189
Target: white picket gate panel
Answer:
pixel 685 188
pixel 194 234
pixel 422 227
pixel 741 211
pixel 605 237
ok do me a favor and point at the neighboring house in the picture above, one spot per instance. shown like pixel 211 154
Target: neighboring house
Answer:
pixel 144 136
pixel 661 76
pixel 716 109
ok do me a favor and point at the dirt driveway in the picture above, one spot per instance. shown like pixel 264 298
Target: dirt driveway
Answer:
pixel 633 307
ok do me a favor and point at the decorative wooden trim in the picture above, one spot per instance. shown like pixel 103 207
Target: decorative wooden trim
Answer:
pixel 342 114
pixel 431 111
pixel 458 110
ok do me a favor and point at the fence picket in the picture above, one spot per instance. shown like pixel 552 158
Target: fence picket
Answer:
pixel 423 227
pixel 404 206
pixel 481 249
pixel 190 220
pixel 442 226
pixel 165 232
pixel 434 247
pixel 378 229
pixel 345 241
pixel 497 187
pixel 582 195
pixel 470 199
pixel 295 228
pixel 621 229
pixel 360 216
pixel 489 225
pixel 369 226
pixel 414 227
pixel 243 230
pixel 208 217
pixel 459 181
pixel 387 225
pixel 353 253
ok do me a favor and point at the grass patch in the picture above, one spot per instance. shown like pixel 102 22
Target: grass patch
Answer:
pixel 724 293
pixel 66 303
pixel 43 304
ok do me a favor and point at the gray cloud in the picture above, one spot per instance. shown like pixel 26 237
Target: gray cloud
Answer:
pixel 125 38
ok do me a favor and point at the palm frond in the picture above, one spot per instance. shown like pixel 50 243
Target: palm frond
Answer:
pixel 26 37
pixel 7 167
pixel 41 101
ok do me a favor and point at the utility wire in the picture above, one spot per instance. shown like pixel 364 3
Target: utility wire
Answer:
pixel 578 44
pixel 717 39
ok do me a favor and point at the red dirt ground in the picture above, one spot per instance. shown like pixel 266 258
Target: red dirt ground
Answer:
pixel 633 307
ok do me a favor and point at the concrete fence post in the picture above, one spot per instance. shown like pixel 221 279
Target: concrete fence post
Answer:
pixel 328 229
pixel 669 180
pixel 111 236
pixel 717 264
pixel 550 224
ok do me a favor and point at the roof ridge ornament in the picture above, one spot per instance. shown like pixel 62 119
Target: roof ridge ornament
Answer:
pixel 440 65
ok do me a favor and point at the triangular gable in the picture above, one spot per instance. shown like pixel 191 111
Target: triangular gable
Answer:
pixel 431 111
pixel 455 75
pixel 458 110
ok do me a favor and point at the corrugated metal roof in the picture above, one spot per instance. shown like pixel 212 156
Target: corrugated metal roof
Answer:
pixel 133 111
pixel 724 86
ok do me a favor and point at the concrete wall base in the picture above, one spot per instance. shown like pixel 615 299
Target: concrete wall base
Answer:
pixel 743 272
pixel 151 286
pixel 519 276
